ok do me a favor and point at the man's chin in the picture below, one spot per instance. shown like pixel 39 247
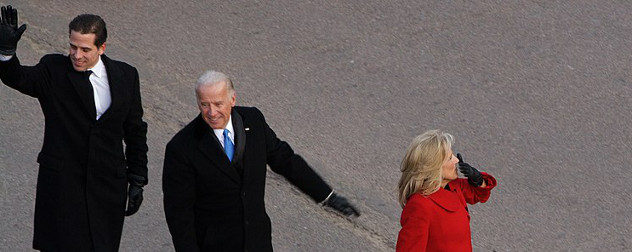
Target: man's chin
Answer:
pixel 213 125
pixel 79 68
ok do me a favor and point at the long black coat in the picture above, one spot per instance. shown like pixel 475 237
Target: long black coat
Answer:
pixel 82 184
pixel 212 204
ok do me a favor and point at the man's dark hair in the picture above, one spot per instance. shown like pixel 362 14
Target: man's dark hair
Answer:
pixel 89 23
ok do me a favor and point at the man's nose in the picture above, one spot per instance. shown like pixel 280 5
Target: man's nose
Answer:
pixel 212 111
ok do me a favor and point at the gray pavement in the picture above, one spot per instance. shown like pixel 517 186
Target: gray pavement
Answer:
pixel 537 93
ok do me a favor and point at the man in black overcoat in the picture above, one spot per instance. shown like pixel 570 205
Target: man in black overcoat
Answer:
pixel 214 175
pixel 94 154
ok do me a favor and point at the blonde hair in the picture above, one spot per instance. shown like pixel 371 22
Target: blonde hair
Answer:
pixel 421 166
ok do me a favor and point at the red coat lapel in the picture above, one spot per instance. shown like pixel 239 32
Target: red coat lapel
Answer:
pixel 448 200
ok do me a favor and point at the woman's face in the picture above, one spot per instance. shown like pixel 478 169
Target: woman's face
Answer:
pixel 449 172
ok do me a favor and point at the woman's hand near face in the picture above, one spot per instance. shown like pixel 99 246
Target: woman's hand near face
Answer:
pixel 473 176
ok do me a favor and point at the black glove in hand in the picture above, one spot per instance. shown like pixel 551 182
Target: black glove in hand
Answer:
pixel 473 176
pixel 9 31
pixel 135 193
pixel 135 198
pixel 341 205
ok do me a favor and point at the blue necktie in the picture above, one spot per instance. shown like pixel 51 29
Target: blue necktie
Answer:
pixel 229 148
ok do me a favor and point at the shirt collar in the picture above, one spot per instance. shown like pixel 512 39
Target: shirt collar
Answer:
pixel 229 126
pixel 98 69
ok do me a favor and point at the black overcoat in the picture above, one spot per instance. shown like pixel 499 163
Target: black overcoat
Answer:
pixel 82 184
pixel 212 204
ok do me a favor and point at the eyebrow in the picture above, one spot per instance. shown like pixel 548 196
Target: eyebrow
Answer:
pixel 79 46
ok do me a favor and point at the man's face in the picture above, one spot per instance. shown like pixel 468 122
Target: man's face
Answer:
pixel 83 53
pixel 215 103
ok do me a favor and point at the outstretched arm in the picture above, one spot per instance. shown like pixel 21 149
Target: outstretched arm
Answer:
pixel 293 167
pixel 26 79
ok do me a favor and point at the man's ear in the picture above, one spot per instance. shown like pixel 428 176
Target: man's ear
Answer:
pixel 233 99
pixel 101 49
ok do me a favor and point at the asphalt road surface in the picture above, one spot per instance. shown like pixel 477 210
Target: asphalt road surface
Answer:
pixel 538 93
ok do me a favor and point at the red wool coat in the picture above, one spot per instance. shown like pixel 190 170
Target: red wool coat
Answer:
pixel 441 222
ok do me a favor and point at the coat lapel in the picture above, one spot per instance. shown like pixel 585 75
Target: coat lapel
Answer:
pixel 84 90
pixel 212 149
pixel 447 200
pixel 240 137
pixel 240 143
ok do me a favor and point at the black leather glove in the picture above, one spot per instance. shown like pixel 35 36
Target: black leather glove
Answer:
pixel 341 205
pixel 473 176
pixel 9 31
pixel 135 193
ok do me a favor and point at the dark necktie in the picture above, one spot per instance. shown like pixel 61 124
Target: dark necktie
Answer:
pixel 89 92
pixel 229 148
pixel 87 74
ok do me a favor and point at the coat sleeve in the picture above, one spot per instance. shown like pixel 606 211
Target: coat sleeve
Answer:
pixel 284 161
pixel 136 133
pixel 29 80
pixel 415 223
pixel 178 186
pixel 473 194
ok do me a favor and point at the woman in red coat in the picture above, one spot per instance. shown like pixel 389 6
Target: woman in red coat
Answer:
pixel 435 215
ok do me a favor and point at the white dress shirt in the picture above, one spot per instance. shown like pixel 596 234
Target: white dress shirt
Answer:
pixel 219 133
pixel 100 88
pixel 5 57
